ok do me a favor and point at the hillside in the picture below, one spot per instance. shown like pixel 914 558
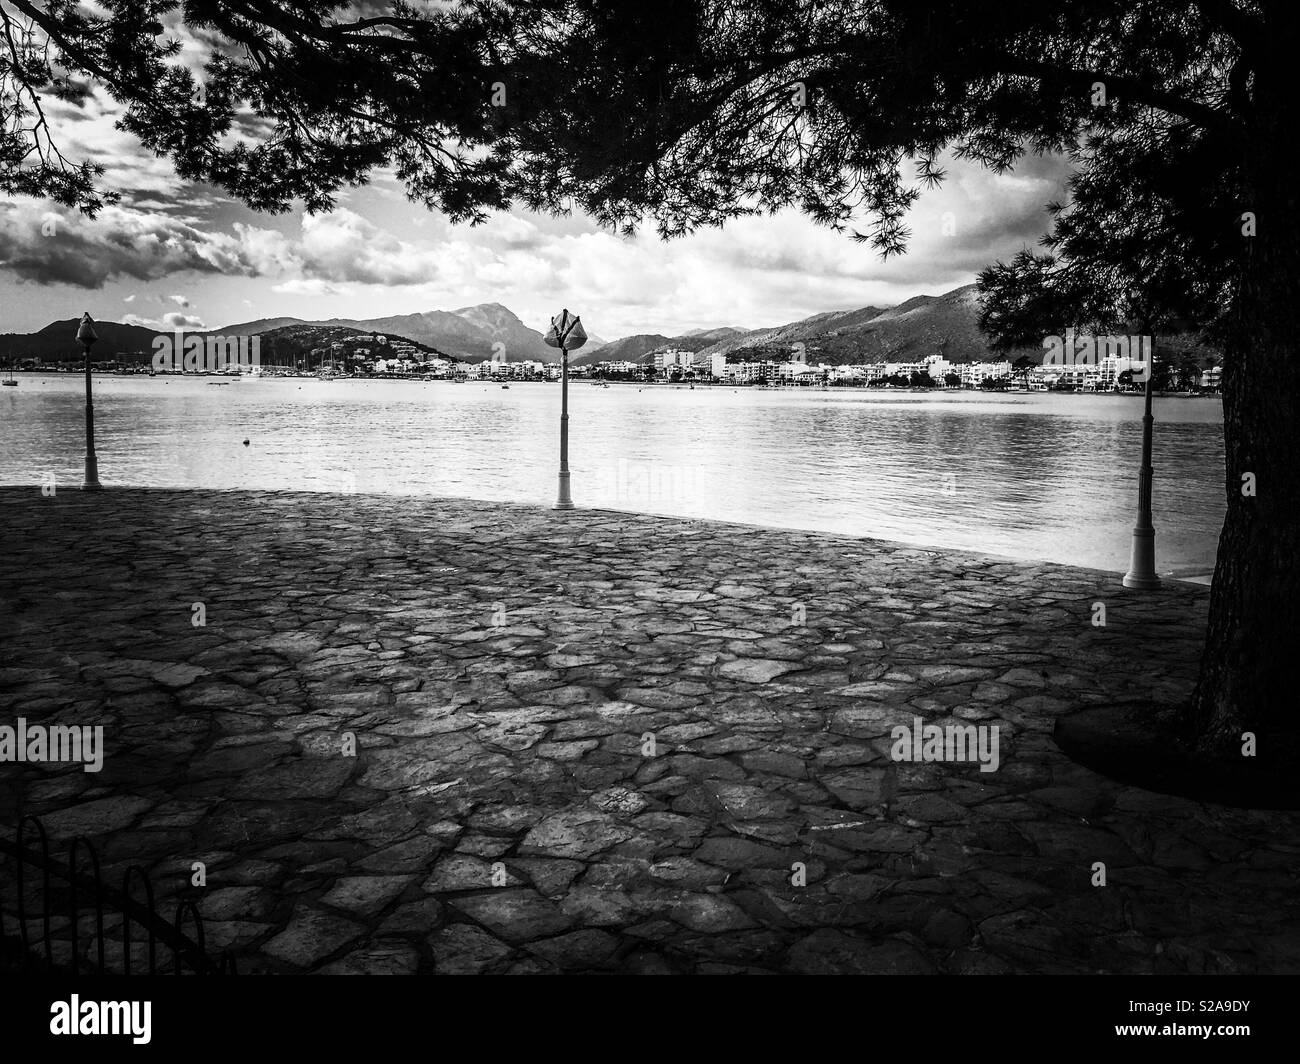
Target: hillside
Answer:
pixel 278 346
pixel 471 332
pixel 291 344
pixel 926 325
pixel 637 348
pixel 436 328
pixel 806 330
pixel 57 342
pixel 923 325
pixel 501 324
pixel 724 333
pixel 251 328
pixel 944 325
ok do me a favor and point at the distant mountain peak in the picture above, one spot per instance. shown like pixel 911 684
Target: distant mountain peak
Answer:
pixel 491 315
pixel 488 306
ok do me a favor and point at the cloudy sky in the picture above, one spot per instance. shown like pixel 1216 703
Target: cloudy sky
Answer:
pixel 173 253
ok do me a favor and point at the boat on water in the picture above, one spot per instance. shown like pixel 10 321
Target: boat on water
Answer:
pixel 505 387
pixel 11 381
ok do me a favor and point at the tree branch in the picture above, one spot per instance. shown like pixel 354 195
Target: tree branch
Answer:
pixel 1236 22
pixel 1197 113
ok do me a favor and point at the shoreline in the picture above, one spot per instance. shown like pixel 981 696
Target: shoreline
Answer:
pixel 1189 574
pixel 579 380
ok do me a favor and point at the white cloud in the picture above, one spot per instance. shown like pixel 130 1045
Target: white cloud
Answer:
pixel 61 248
pixel 343 246
pixel 171 320
pixel 306 287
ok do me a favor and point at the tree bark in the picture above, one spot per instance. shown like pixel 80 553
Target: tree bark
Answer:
pixel 1248 680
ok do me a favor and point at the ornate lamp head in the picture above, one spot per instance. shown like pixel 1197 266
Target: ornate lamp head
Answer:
pixel 86 330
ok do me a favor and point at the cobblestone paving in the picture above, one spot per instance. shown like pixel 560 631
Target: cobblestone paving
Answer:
pixel 505 670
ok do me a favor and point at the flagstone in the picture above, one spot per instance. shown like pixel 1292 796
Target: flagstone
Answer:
pixel 577 833
pixel 413 918
pixel 576 950
pixel 514 914
pixel 365 895
pixel 754 670
pixel 304 778
pixel 711 913
pixel 462 949
pixel 527 745
pixel 459 871
pixel 392 957
pixel 234 903
pixel 312 935
pixel 96 817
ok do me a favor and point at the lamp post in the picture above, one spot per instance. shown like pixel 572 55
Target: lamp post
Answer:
pixel 567 334
pixel 86 335
pixel 1142 562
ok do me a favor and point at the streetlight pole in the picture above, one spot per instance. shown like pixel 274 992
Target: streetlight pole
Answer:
pixel 1142 562
pixel 565 500
pixel 566 332
pixel 87 336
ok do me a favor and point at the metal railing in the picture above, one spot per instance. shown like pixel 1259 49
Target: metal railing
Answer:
pixel 186 952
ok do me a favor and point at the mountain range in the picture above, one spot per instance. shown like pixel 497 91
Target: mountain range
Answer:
pixel 476 332
pixel 279 344
pixel 925 325
pixel 57 341
pixel 471 333
pixel 947 324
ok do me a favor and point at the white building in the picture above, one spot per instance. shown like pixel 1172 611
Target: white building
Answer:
pixel 852 374
pixel 791 371
pixel 973 374
pixel 673 357
pixel 938 367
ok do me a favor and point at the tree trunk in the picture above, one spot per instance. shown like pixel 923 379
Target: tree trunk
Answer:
pixel 1248 680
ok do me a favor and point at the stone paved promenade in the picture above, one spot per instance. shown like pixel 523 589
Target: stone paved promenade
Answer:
pixel 504 669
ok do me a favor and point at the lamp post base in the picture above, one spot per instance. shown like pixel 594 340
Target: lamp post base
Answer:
pixel 563 501
pixel 91 482
pixel 1141 574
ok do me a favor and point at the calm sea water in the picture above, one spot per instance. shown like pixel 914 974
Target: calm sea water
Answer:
pixel 1034 476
